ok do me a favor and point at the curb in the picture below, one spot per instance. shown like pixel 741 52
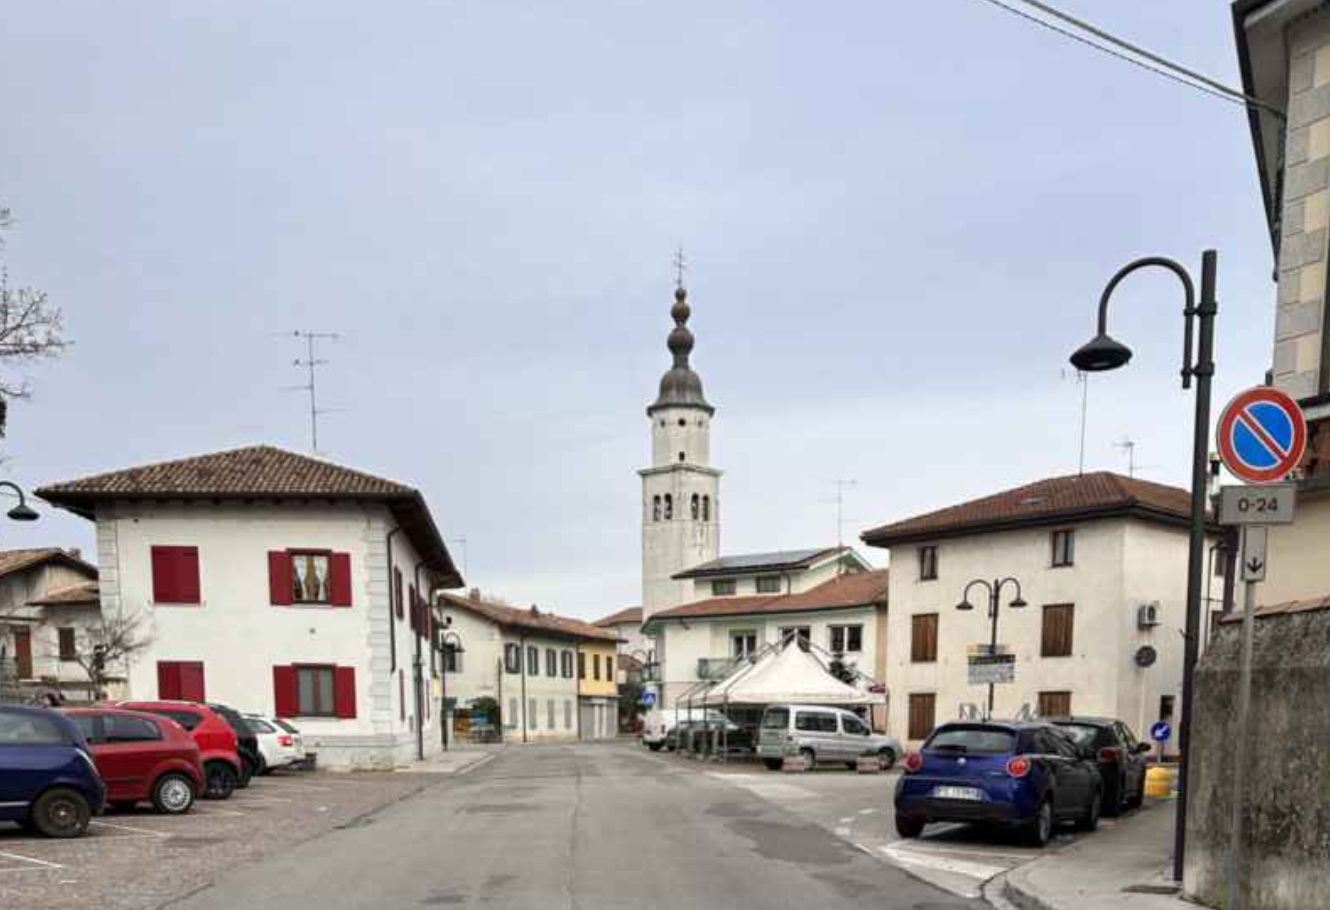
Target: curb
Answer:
pixel 1018 893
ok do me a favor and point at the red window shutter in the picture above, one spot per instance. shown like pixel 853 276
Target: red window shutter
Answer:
pixel 163 576
pixel 191 682
pixel 412 599
pixel 339 579
pixel 285 702
pixel 187 575
pixel 401 693
pixel 397 591
pixel 168 680
pixel 279 578
pixel 344 692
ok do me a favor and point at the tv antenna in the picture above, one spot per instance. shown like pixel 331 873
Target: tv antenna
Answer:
pixel 1084 380
pixel 311 362
pixel 841 486
pixel 1128 445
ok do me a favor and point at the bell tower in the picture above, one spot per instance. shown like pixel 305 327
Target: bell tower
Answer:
pixel 681 490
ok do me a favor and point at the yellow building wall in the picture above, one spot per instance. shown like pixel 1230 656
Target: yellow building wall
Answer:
pixel 605 686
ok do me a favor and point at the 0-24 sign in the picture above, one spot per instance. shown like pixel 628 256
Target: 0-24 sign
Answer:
pixel 1266 505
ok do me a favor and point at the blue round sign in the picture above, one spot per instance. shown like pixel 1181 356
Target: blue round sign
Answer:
pixel 648 698
pixel 1161 731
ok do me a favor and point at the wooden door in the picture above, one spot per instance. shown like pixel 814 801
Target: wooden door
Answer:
pixel 23 653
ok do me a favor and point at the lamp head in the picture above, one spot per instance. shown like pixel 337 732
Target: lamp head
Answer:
pixel 22 512
pixel 965 605
pixel 1101 353
pixel 1018 603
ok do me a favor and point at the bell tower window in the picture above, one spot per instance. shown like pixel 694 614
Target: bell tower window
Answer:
pixel 706 508
pixel 655 508
pixel 669 507
pixel 682 457
pixel 696 506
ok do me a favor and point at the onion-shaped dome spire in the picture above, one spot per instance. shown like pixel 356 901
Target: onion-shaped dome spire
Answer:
pixel 681 386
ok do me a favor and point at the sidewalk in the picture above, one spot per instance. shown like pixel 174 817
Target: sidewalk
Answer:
pixel 1129 864
pixel 454 761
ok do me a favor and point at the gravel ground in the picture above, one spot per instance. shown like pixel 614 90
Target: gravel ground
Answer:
pixel 141 860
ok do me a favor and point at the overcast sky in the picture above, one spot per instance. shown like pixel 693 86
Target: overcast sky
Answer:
pixel 898 218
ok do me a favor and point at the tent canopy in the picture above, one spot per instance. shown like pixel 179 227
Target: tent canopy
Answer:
pixel 788 674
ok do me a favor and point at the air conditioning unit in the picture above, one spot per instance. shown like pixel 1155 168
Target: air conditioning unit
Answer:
pixel 1147 615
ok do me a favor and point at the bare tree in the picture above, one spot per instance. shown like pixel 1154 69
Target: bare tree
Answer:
pixel 107 644
pixel 30 328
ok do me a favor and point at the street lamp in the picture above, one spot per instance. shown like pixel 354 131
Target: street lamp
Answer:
pixel 1104 353
pixel 449 643
pixel 994 589
pixel 22 511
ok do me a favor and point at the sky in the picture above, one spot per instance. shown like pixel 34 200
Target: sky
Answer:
pixel 897 220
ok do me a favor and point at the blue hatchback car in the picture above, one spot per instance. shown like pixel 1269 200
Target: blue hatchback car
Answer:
pixel 1025 775
pixel 47 778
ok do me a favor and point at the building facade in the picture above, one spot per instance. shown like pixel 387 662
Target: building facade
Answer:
pixel 49 620
pixel 278 583
pixel 1101 561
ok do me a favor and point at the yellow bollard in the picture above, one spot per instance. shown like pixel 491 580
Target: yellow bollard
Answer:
pixel 1160 782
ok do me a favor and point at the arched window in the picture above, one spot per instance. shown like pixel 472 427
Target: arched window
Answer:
pixel 682 458
pixel 706 508
pixel 669 507
pixel 696 506
pixel 655 508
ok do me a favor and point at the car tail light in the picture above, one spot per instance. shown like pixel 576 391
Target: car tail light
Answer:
pixel 1108 756
pixel 913 762
pixel 1018 766
pixel 284 741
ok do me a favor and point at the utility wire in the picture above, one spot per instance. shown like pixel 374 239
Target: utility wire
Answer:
pixel 1151 62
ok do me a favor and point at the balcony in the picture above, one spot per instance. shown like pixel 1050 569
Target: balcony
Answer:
pixel 715 667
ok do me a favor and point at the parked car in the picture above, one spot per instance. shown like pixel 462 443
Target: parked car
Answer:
pixel 48 780
pixel 247 744
pixel 216 740
pixel 142 757
pixel 820 734
pixel 280 744
pixel 659 722
pixel 1123 760
pixel 1026 775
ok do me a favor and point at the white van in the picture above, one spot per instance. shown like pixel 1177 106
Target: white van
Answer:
pixel 820 735
pixel 660 721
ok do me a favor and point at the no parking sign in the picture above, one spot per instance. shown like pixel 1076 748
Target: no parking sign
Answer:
pixel 1262 435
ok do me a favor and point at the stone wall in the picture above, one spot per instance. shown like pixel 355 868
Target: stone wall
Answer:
pixel 1288 801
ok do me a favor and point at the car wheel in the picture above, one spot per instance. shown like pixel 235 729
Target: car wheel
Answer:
pixel 1090 820
pixel 173 794
pixel 1137 799
pixel 246 772
pixel 654 747
pixel 1112 798
pixel 61 812
pixel 1040 831
pixel 773 764
pixel 909 827
pixel 809 757
pixel 220 781
pixel 263 769
pixel 888 757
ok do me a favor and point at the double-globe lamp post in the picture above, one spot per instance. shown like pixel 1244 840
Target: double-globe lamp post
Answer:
pixel 449 643
pixel 994 589
pixel 1103 353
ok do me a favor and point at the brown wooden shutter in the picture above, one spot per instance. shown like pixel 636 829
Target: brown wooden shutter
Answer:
pixel 397 591
pixel 923 638
pixel 1054 704
pixel 279 578
pixel 344 692
pixel 285 695
pixel 922 714
pixel 339 579
pixel 1057 638
pixel 68 644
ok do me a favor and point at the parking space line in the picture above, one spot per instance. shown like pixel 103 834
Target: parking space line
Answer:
pixel 262 799
pixel 141 832
pixel 29 859
pixel 204 812
pixel 910 857
pixel 926 847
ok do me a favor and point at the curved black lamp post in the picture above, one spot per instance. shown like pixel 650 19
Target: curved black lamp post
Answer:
pixel 994 590
pixel 1105 353
pixel 449 643
pixel 22 511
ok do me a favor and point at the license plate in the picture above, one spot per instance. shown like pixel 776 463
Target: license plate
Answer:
pixel 969 793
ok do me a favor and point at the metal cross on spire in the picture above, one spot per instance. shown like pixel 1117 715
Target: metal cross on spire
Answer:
pixel 680 264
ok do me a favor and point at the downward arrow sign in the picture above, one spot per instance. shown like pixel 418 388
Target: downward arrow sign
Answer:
pixel 1254 566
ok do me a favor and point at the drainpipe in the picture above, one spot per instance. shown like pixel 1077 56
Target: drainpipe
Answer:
pixel 392 615
pixel 416 667
pixel 577 682
pixel 502 708
pixel 521 644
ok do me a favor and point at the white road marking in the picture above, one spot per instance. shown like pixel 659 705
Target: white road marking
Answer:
pixel 867 811
pixel 908 857
pixel 141 832
pixel 29 859
pixel 847 820
pixel 262 799
pixel 928 847
pixel 765 787
pixel 842 832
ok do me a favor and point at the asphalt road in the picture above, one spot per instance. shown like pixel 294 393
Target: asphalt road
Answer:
pixel 586 827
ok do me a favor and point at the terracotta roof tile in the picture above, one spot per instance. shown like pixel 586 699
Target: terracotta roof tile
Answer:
pixel 81 594
pixel 1098 494
pixel 18 560
pixel 631 614
pixel 529 618
pixel 855 590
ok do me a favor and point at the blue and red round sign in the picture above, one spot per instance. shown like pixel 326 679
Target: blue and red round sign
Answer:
pixel 1262 435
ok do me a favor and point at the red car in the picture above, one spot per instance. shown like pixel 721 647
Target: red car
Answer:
pixel 215 738
pixel 142 758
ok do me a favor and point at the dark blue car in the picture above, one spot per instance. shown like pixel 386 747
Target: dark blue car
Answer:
pixel 1025 775
pixel 47 778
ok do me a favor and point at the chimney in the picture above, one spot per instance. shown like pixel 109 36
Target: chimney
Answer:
pixel 75 552
pixel 534 611
pixel 475 594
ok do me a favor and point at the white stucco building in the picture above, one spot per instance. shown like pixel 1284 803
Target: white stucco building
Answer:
pixel 278 583
pixel 1102 564
pixel 551 677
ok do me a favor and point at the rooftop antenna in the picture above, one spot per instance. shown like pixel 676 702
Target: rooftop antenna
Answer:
pixel 841 486
pixel 1084 380
pixel 1128 445
pixel 311 362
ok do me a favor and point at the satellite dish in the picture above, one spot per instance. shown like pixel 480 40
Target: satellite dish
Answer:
pixel 1146 656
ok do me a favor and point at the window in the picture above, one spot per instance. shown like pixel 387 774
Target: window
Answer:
pixel 977 740
pixel 531 714
pixel 259 726
pixel 68 646
pixel 1057 634
pixel 309 578
pixel 1166 707
pixel 928 563
pixel 682 458
pixel 511 721
pixel 609 668
pixel 696 507
pixel 567 715
pixel 551 663
pixel 566 664
pixel 549 713
pixel 847 639
pixel 800 633
pixel 669 506
pixel 175 575
pixel 815 721
pixel 120 728
pixel 595 666
pixel 452 659
pixel 768 584
pixel 655 508
pixel 29 730
pixel 743 644
pixel 187 719
pixel 512 658
pixel 1054 704
pixel 923 639
pixel 581 665
pixel 706 508
pixel 532 660
pixel 853 725
pixel 722 587
pixel 397 591
pixel 1064 548
pixel 923 708
pixel 180 680
pixel 318 577
pixel 314 692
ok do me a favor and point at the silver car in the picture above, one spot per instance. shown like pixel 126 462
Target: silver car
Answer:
pixel 820 735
